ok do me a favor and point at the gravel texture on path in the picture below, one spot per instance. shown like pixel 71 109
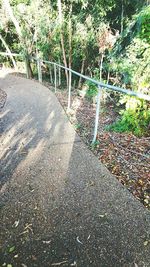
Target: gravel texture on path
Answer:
pixel 3 97
pixel 59 205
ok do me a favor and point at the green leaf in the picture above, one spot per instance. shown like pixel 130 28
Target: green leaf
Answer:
pixel 11 249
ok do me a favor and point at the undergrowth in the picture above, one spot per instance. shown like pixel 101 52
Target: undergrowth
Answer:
pixel 135 117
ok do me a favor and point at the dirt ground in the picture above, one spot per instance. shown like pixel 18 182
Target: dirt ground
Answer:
pixel 125 155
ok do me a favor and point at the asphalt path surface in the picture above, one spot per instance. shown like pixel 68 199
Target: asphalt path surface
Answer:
pixel 59 205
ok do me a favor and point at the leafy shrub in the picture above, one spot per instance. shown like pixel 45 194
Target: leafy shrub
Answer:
pixel 91 91
pixel 144 24
pixel 133 68
pixel 135 117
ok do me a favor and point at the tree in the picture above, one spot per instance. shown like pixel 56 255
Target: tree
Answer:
pixel 60 15
pixel 10 13
pixel 9 51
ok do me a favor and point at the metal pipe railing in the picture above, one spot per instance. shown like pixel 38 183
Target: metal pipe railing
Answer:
pixel 107 86
pixel 100 86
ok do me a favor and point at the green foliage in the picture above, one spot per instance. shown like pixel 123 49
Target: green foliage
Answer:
pixel 95 144
pixel 144 24
pixel 11 249
pixel 132 67
pixel 91 91
pixel 78 126
pixel 89 38
pixel 135 117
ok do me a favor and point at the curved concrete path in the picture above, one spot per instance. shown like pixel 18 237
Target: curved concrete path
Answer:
pixel 59 205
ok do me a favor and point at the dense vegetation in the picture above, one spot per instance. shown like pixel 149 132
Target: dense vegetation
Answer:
pixel 108 40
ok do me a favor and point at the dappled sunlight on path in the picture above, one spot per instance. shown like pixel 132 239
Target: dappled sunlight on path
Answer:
pixel 65 203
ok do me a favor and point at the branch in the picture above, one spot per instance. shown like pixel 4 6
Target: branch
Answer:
pixel 9 52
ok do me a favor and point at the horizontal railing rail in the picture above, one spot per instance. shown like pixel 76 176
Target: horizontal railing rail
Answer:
pixel 107 86
pixel 100 85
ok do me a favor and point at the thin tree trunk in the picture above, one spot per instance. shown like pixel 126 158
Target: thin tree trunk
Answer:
pixel 101 67
pixel 62 37
pixel 70 55
pixel 108 75
pixel 64 56
pixel 59 75
pixel 13 18
pixel 90 72
pixel 70 38
pixel 9 52
pixel 29 69
pixel 74 84
pixel 122 16
pixel 82 71
pixel 102 95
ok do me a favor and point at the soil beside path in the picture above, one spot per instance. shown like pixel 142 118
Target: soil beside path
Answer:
pixel 59 205
pixel 124 154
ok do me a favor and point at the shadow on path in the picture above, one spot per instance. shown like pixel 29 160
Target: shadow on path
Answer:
pixel 60 205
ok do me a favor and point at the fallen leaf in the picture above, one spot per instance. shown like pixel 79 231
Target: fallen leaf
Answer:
pixel 46 242
pixel 16 256
pixel 102 215
pixel 11 249
pixel 79 240
pixel 74 264
pixel 59 263
pixel 24 232
pixel 140 182
pixel 146 242
pixel 16 223
pixel 88 237
pixel 146 201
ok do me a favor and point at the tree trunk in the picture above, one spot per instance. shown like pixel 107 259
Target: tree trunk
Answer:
pixel 9 52
pixel 102 95
pixel 82 71
pixel 9 11
pixel 70 55
pixel 70 38
pixel 29 69
pixel 101 67
pixel 59 75
pixel 122 16
pixel 62 37
pixel 13 18
pixel 108 75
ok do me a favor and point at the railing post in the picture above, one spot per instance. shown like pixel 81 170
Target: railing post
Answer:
pixel 69 91
pixel 55 74
pixel 39 70
pixel 97 113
